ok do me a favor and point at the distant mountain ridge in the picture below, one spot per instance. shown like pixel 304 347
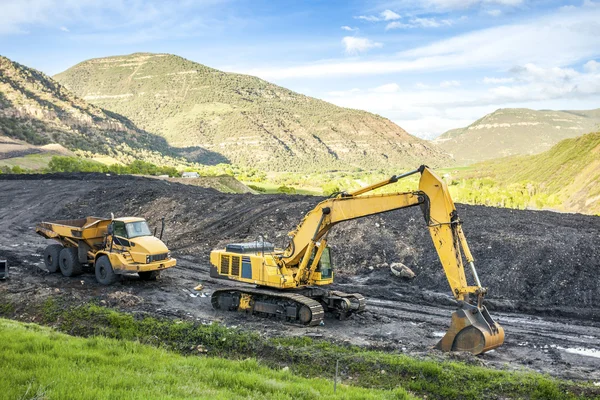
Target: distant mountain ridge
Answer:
pixel 38 110
pixel 513 131
pixel 245 119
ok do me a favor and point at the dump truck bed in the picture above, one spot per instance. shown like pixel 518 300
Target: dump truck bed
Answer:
pixel 88 228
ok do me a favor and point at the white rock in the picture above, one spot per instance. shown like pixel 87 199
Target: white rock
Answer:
pixel 402 271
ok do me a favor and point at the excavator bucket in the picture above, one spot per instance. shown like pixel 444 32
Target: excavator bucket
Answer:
pixel 473 330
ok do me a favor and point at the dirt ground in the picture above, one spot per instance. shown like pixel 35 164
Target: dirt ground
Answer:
pixel 541 268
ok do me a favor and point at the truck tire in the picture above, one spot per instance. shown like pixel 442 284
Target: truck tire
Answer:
pixel 68 261
pixel 149 275
pixel 104 271
pixel 51 255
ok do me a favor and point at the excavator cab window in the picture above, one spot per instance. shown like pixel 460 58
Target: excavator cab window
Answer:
pixel 325 265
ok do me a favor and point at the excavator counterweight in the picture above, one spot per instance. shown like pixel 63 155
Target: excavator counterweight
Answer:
pixel 291 281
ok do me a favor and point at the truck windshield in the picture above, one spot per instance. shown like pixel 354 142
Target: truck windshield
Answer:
pixel 135 229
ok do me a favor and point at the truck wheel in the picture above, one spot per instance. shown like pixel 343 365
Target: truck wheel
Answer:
pixel 69 262
pixel 149 275
pixel 51 255
pixel 104 271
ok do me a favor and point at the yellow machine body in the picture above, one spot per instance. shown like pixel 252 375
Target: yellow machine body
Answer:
pixel 306 261
pixel 260 269
pixel 91 236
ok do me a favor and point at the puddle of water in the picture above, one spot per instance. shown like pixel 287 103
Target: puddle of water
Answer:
pixel 582 351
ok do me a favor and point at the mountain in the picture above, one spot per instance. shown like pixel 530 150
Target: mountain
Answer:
pixel 569 171
pixel 512 131
pixel 247 120
pixel 37 110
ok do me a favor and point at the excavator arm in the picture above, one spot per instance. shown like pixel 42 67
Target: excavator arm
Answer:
pixel 472 328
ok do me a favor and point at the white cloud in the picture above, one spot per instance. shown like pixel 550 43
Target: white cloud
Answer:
pixel 387 15
pixel 397 25
pixel 431 22
pixel 420 23
pixel 592 66
pixel 433 109
pixel 343 93
pixel 494 13
pixel 110 17
pixel 448 84
pixel 447 5
pixel 370 18
pixel 354 45
pixel 495 81
pixel 349 29
pixel 387 88
pixel 560 39
pixel 64 29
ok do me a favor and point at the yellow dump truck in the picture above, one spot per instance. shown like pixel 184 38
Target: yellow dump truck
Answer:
pixel 111 247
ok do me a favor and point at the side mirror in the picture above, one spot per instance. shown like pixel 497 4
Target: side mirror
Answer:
pixel 110 229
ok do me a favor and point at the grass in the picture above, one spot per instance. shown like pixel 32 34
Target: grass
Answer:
pixel 306 357
pixel 39 362
pixel 30 161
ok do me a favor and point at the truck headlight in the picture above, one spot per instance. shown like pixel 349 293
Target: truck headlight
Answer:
pixel 168 254
pixel 148 259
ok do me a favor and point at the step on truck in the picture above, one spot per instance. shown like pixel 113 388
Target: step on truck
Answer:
pixel 111 247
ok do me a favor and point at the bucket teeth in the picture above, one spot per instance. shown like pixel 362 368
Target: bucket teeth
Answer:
pixel 473 330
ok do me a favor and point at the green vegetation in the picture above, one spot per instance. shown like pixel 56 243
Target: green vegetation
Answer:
pixel 310 358
pixel 242 119
pixel 28 162
pixel 514 131
pixel 41 363
pixel 74 164
pixel 566 176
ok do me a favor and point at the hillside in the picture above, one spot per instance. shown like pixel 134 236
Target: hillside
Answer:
pixel 513 131
pixel 569 171
pixel 37 110
pixel 249 121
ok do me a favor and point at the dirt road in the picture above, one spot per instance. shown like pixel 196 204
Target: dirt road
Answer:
pixel 541 267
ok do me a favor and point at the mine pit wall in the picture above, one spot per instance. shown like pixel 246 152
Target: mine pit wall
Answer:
pixel 538 261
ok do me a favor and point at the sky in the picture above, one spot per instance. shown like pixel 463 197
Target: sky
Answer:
pixel 427 65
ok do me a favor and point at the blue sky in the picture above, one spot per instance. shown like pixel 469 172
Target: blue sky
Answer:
pixel 428 65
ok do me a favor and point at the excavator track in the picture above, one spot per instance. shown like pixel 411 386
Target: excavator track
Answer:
pixel 288 306
pixel 358 301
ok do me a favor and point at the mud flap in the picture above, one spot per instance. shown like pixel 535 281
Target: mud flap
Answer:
pixel 473 330
pixel 3 269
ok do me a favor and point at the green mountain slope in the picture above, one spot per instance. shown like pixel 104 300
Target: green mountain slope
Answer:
pixel 249 121
pixel 570 171
pixel 38 110
pixel 514 131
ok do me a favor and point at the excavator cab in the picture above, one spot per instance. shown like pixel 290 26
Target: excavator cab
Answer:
pixel 324 270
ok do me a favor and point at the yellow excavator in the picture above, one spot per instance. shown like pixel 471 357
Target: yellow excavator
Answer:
pixel 290 283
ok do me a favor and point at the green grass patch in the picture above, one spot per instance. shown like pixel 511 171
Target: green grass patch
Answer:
pixel 312 358
pixel 30 161
pixel 38 362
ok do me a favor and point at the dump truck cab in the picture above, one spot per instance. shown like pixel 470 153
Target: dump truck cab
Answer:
pixel 111 247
